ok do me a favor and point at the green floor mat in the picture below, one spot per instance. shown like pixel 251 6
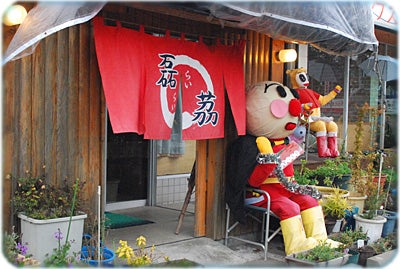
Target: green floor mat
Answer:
pixel 114 221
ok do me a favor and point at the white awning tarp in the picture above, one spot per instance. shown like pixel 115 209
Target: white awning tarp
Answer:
pixel 45 19
pixel 339 28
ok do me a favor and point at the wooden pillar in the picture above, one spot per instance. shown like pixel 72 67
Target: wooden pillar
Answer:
pixel 277 67
pixel 201 188
pixel 209 188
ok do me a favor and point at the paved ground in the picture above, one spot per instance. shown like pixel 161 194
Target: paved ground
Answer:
pixel 201 250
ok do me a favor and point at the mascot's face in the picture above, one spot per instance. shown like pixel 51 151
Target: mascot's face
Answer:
pixel 302 80
pixel 272 110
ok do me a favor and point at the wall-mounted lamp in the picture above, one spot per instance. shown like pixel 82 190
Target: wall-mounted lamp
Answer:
pixel 287 55
pixel 14 15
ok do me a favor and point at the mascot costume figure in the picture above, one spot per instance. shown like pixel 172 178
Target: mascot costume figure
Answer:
pixel 264 159
pixel 326 129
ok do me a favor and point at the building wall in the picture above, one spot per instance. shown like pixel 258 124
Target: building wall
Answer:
pixel 53 113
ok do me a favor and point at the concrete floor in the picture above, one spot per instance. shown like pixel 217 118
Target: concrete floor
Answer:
pixel 201 250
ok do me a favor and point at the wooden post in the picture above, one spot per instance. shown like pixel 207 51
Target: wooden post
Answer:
pixel 277 67
pixel 201 188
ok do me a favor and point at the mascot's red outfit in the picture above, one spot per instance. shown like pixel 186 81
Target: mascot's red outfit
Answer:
pixel 284 203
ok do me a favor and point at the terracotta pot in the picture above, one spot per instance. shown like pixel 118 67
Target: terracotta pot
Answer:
pixel 383 180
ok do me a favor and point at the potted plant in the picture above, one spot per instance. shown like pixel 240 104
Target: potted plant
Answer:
pixel 385 244
pixel 370 220
pixel 334 208
pixel 93 255
pixel 45 209
pixel 349 239
pixel 333 172
pixel 321 255
pixel 382 245
pixel 362 163
pixel 94 252
pixel 305 176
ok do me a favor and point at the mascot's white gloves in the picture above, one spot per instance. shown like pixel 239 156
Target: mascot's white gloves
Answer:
pixel 263 145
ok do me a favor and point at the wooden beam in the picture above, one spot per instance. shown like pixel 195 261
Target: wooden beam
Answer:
pixel 201 188
pixel 215 217
pixel 277 67
pixel 386 37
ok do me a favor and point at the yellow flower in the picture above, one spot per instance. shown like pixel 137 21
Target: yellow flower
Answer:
pixel 138 257
pixel 141 241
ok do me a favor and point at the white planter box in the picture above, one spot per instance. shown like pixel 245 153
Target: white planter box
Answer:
pixel 39 234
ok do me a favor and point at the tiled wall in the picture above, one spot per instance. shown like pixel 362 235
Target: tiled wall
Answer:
pixel 172 189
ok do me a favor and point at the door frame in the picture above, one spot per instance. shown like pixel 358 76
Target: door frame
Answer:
pixel 151 178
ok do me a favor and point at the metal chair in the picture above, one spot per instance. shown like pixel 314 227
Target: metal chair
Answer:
pixel 265 223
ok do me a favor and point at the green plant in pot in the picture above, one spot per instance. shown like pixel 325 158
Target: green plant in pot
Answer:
pixel 329 173
pixel 44 209
pixel 370 220
pixel 305 175
pixel 363 163
pixel 94 252
pixel 385 244
pixel 39 199
pixel 321 255
pixel 332 171
pixel 334 207
pixel 349 238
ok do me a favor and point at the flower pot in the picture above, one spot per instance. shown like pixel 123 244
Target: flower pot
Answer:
pixel 357 199
pixel 373 227
pixel 365 253
pixel 353 256
pixel 107 261
pixel 382 181
pixel 390 224
pixel 342 182
pixel 40 234
pixel 327 191
pixel 292 260
pixel 333 226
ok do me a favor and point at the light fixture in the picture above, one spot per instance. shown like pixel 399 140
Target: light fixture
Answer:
pixel 287 55
pixel 14 15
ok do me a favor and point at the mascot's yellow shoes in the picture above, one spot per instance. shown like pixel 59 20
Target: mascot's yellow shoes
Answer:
pixel 294 236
